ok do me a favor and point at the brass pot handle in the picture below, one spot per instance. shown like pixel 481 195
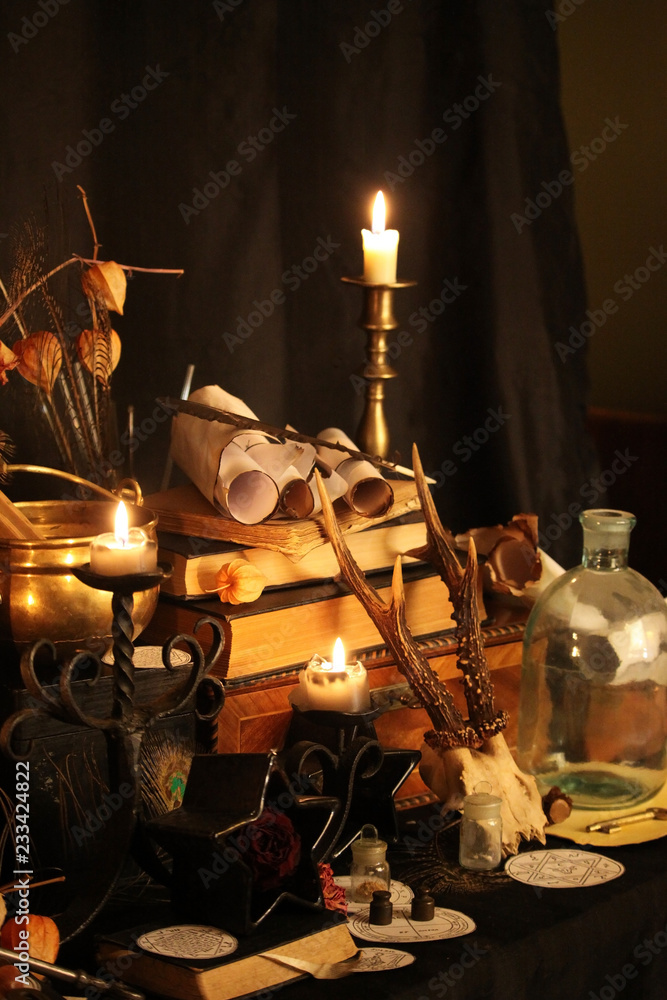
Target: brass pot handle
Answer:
pixel 127 489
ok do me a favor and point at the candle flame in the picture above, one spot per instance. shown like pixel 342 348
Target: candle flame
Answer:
pixel 339 655
pixel 122 529
pixel 379 214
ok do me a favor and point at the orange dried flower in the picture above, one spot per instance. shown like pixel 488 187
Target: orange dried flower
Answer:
pixel 239 582
pixel 8 360
pixel 40 358
pixel 98 353
pixel 107 282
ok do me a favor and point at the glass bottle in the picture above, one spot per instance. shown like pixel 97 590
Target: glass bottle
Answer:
pixel 480 844
pixel 592 705
pixel 370 869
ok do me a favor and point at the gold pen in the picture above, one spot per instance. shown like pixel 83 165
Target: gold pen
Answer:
pixel 613 825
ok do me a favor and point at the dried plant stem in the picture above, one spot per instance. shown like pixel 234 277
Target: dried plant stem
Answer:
pixel 86 207
pixel 8 886
pixel 83 389
pixel 17 319
pixel 56 437
pixel 78 426
pixel 8 313
pixel 56 425
pixel 130 267
pixel 76 398
pixel 79 411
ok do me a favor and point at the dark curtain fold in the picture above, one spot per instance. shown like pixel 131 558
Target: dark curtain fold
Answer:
pixel 244 141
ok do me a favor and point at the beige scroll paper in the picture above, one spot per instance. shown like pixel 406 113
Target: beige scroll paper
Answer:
pixel 247 475
pixel 207 451
pixel 368 493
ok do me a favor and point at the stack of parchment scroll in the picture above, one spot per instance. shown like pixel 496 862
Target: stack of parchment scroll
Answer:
pixel 251 476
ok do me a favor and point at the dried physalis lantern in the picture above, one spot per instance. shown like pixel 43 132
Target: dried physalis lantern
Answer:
pixel 239 582
pixel 106 283
pixel 40 359
pixel 8 360
pixel 44 937
pixel 99 353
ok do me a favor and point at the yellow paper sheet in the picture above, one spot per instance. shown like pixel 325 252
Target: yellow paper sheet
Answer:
pixel 574 827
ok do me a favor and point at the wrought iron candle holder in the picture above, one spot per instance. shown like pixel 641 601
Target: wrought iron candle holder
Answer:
pixel 122 589
pixel 377 319
pixel 339 753
pixel 81 699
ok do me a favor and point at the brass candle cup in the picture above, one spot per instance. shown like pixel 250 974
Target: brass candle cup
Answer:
pixel 40 597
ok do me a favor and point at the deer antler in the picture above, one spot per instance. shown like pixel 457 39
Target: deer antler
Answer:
pixel 440 545
pixel 462 586
pixel 449 728
pixel 457 755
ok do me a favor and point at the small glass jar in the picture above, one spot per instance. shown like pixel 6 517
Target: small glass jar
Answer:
pixel 370 869
pixel 480 846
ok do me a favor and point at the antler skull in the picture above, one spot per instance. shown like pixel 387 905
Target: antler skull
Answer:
pixel 457 754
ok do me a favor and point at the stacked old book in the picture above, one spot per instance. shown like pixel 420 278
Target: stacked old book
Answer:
pixel 303 607
pixel 280 953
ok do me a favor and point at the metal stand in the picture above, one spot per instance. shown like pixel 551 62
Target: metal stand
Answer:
pixel 341 752
pixel 123 724
pixel 377 319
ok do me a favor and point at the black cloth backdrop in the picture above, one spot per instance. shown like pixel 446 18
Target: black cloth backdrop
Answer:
pixel 342 98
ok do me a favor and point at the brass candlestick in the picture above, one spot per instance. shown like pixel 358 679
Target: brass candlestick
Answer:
pixel 377 319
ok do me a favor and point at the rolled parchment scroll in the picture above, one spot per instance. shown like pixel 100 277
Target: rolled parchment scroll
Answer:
pixel 250 475
pixel 220 467
pixel 368 492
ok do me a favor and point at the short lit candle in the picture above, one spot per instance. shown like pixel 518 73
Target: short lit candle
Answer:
pixel 336 686
pixel 124 551
pixel 380 248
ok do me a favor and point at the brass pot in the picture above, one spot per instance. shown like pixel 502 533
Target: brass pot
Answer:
pixel 39 596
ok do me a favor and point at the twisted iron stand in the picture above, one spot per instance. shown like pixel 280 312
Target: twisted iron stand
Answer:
pixel 124 727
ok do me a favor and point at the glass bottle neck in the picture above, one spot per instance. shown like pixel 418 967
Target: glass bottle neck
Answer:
pixel 604 559
pixel 606 539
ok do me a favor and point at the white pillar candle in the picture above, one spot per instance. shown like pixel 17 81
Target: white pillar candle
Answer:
pixel 124 551
pixel 380 248
pixel 336 686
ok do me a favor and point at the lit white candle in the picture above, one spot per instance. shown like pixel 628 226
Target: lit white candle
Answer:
pixel 336 686
pixel 124 551
pixel 380 247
